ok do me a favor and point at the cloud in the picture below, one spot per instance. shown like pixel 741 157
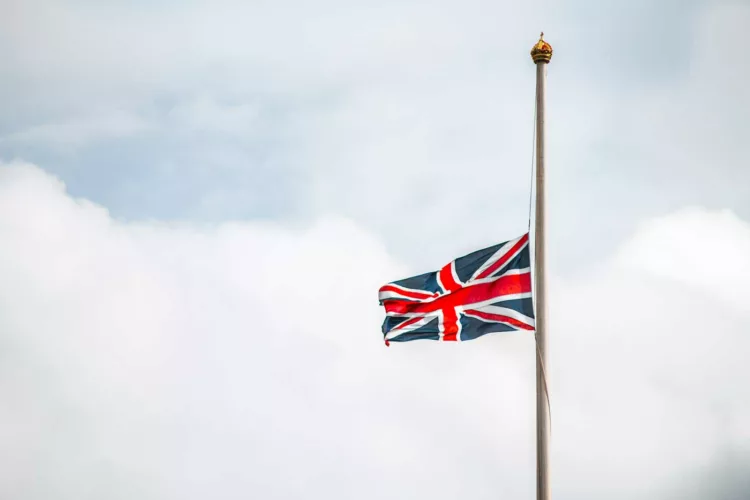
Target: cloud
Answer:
pixel 671 247
pixel 176 362
pixel 244 360
pixel 376 110
pixel 354 96
pixel 650 354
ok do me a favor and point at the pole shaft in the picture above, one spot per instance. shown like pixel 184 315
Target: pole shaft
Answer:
pixel 542 373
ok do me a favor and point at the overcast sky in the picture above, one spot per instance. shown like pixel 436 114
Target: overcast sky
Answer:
pixel 200 199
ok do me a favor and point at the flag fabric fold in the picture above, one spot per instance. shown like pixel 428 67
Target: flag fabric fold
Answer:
pixel 483 292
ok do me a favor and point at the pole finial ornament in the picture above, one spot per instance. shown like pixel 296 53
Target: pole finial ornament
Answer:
pixel 542 51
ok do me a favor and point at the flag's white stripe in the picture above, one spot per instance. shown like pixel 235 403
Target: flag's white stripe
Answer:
pixel 504 311
pixel 441 326
pixel 499 254
pixel 390 294
pixel 459 311
pixel 511 272
pixel 416 290
pixel 455 274
pixel 395 314
pixel 440 282
pixel 406 290
pixel 396 332
pixel 401 292
pixel 486 320
pixel 510 258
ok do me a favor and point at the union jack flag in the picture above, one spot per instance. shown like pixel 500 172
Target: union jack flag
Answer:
pixel 486 291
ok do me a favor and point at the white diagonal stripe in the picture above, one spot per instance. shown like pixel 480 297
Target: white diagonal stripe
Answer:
pixel 396 331
pixel 498 255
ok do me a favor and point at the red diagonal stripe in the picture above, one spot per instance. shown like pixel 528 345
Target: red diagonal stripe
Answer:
pixel 401 306
pixel 505 258
pixel 501 318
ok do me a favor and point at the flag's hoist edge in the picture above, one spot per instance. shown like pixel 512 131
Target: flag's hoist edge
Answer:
pixel 483 292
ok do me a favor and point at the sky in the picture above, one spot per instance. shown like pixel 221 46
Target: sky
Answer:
pixel 199 201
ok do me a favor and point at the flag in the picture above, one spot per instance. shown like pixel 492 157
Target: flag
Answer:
pixel 483 292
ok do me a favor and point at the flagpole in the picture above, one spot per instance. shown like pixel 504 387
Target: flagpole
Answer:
pixel 541 54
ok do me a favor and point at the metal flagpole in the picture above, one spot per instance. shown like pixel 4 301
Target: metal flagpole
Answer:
pixel 541 54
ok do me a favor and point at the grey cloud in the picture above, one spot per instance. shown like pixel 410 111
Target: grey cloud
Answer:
pixel 289 110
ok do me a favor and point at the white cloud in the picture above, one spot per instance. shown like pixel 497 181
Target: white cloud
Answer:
pixel 244 360
pixel 707 251
pixel 173 362
pixel 653 349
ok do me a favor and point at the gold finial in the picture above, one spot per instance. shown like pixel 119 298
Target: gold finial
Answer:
pixel 542 51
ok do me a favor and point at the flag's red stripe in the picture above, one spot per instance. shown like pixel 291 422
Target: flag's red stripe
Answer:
pixel 446 279
pixel 412 294
pixel 399 306
pixel 501 318
pixel 395 305
pixel 506 285
pixel 450 324
pixel 502 260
